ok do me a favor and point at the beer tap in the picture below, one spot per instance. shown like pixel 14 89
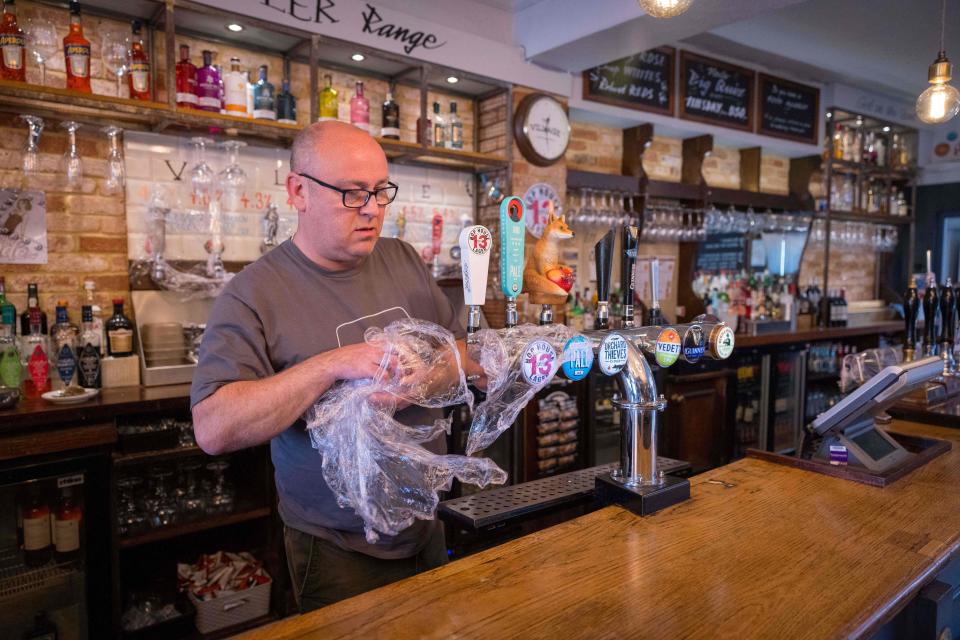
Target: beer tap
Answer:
pixel 603 255
pixel 475 245
pixel 654 315
pixel 436 237
pixel 911 309
pixel 628 261
pixel 930 310
pixel 948 320
pixel 512 232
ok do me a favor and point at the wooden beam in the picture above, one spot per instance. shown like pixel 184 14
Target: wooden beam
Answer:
pixel 636 140
pixel 750 169
pixel 801 170
pixel 694 151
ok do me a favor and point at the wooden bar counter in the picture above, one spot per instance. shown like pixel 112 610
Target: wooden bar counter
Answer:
pixel 782 553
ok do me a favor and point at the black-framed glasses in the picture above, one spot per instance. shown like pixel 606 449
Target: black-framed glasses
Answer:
pixel 358 198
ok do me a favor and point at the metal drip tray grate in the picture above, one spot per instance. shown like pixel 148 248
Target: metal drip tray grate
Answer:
pixel 16 578
pixel 491 508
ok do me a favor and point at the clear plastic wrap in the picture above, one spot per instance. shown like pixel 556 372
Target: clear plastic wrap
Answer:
pixel 374 464
pixel 857 368
pixel 191 284
pixel 502 357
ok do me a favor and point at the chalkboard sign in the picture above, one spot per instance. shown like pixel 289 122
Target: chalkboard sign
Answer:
pixel 643 81
pixel 787 109
pixel 716 92
pixel 722 252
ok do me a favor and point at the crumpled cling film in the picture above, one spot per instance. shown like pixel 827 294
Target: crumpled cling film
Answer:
pixel 374 464
pixel 192 284
pixel 857 368
pixel 501 356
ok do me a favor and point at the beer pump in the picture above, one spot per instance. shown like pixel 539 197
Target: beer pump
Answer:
pixel 475 245
pixel 654 315
pixel 948 319
pixel 628 262
pixel 911 309
pixel 603 256
pixel 931 308
pixel 512 230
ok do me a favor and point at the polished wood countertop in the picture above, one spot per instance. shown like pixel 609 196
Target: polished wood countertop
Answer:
pixel 783 553
pixel 819 333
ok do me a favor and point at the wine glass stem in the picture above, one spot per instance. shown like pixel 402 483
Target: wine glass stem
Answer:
pixel 119 78
pixel 43 74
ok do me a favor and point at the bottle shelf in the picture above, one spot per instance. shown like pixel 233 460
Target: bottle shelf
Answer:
pixel 177 530
pixel 856 216
pixel 51 102
pixel 869 170
pixel 156 455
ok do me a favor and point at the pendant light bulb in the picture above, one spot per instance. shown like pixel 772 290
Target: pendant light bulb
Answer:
pixel 664 8
pixel 940 101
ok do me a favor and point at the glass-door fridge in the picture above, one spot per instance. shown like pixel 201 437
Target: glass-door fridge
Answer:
pixel 54 550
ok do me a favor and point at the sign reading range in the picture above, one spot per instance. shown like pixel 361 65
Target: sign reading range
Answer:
pixel 709 90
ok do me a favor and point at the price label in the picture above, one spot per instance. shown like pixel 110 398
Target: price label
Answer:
pixel 577 358
pixel 538 362
pixel 668 348
pixel 613 354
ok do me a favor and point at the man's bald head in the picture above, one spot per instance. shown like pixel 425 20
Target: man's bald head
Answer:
pixel 323 138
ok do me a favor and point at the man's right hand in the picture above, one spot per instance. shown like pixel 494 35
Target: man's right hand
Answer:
pixel 357 361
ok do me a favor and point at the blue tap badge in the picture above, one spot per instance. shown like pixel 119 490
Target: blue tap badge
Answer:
pixel 577 358
pixel 512 231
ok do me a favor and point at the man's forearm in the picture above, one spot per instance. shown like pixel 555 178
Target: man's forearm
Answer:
pixel 248 413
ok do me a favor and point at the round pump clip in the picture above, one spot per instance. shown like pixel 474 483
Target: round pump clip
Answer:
pixel 612 354
pixel 577 358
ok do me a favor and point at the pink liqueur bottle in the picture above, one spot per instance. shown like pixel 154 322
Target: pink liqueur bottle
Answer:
pixel 360 109
pixel 208 85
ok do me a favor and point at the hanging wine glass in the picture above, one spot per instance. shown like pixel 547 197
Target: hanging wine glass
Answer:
pixel 114 51
pixel 116 173
pixel 201 174
pixel 222 498
pixel 233 179
pixel 72 165
pixel 42 43
pixel 31 150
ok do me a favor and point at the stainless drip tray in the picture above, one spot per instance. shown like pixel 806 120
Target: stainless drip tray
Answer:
pixel 489 509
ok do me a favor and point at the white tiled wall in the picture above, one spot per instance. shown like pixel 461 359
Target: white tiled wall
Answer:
pixel 155 160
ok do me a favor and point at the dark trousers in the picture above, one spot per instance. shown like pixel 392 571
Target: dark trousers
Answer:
pixel 322 573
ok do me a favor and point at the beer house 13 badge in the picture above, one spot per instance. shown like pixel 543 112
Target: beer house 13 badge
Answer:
pixel 577 358
pixel 538 362
pixel 613 354
pixel 537 199
pixel 479 240
pixel 668 347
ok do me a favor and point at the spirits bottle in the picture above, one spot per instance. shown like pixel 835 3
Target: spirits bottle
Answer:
pixel 66 527
pixel 76 52
pixel 63 336
pixel 286 104
pixel 439 127
pixel 235 89
pixel 454 129
pixel 329 107
pixel 895 152
pixel 88 348
pixel 857 150
pixel 220 84
pixel 208 85
pixel 8 312
pixel 848 139
pixel 391 118
pixel 11 369
pixel 89 287
pixel 250 102
pixel 119 332
pixel 33 300
pixel 425 129
pixel 139 73
pixel 186 80
pixel 264 101
pixel 12 46
pixel 35 514
pixel 360 109
pixel 35 351
pixel 838 142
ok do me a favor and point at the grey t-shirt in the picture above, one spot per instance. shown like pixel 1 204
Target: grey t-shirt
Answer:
pixel 284 309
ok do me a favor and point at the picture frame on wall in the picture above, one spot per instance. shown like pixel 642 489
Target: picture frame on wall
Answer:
pixel 716 92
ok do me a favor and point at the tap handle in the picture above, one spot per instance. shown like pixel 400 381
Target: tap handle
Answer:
pixel 948 313
pixel 930 309
pixel 911 308
pixel 512 232
pixel 603 254
pixel 475 244
pixel 628 260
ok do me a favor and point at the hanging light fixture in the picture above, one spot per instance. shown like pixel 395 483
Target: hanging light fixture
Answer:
pixel 940 101
pixel 664 8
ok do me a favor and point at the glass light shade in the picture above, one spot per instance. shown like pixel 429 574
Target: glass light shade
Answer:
pixel 664 8
pixel 938 103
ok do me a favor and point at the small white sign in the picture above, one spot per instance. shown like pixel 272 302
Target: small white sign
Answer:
pixel 23 227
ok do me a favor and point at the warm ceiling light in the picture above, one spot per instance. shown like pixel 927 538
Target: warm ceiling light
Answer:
pixel 453 79
pixel 940 101
pixel 358 57
pixel 236 28
pixel 664 8
pixel 886 129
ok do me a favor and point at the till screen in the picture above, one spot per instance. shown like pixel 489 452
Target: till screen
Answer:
pixel 873 444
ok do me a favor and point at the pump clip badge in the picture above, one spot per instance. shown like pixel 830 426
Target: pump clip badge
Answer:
pixel 537 362
pixel 577 358
pixel 668 347
pixel 613 354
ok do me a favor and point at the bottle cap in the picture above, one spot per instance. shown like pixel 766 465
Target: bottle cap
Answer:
pixel 118 301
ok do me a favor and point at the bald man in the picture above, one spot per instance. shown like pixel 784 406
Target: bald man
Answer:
pixel 289 326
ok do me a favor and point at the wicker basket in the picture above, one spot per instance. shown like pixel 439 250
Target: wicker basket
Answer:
pixel 232 609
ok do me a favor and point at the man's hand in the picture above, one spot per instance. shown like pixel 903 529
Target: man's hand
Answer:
pixel 357 361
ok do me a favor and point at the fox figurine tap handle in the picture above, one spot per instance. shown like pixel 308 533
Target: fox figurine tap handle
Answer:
pixel 545 278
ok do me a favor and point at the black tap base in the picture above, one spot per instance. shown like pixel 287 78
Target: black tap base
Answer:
pixel 643 500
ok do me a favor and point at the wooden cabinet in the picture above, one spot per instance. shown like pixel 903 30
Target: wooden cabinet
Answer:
pixel 696 423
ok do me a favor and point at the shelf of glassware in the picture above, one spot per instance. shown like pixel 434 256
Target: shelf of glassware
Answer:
pixel 184 528
pixel 861 216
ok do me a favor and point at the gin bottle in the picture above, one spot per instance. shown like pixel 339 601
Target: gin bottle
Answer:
pixel 88 351
pixel 64 336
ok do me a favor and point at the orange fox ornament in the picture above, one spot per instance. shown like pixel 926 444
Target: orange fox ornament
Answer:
pixel 544 277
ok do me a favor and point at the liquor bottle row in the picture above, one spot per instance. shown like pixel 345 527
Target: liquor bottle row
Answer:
pixel 874 148
pixel 66 355
pixel 827 357
pixel 874 197
pixel 739 297
pixel 49 527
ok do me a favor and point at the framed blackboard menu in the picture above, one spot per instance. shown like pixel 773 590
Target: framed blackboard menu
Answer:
pixel 643 81
pixel 788 109
pixel 716 92
pixel 722 252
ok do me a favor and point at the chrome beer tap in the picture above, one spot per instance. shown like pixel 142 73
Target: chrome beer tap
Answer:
pixel 654 315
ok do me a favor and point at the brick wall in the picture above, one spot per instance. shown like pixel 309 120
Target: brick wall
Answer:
pixel 722 168
pixel 775 174
pixel 86 230
pixel 595 148
pixel 663 160
pixel 852 270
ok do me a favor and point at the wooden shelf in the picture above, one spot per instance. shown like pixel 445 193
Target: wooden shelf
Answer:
pixel 869 170
pixel 177 530
pixel 156 455
pixel 602 181
pixel 756 199
pixel 50 102
pixel 854 216
pixel 674 190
